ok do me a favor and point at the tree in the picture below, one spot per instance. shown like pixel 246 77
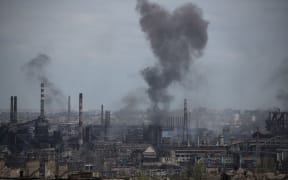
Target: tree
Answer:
pixel 140 176
pixel 198 170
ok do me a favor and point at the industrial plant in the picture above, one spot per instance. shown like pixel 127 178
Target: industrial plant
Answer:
pixel 96 145
pixel 144 97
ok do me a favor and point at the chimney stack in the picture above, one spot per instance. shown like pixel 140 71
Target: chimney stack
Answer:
pixel 11 109
pixel 15 109
pixel 106 123
pixel 102 115
pixel 185 123
pixel 80 119
pixel 107 118
pixel 42 99
pixel 69 109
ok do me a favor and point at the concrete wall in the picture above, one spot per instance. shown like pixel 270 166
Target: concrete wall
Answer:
pixel 63 171
pixel 50 169
pixel 32 168
pixel 8 172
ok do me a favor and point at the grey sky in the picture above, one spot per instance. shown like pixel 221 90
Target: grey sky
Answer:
pixel 97 48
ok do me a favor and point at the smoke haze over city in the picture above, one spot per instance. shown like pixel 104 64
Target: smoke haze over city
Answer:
pixel 89 41
pixel 144 89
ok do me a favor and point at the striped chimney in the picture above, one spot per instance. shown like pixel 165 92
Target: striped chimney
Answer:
pixel 80 119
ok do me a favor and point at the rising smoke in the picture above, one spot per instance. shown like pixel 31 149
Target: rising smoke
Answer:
pixel 281 78
pixel 35 72
pixel 133 104
pixel 176 39
pixel 135 100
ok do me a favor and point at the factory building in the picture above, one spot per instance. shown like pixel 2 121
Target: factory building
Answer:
pixel 166 147
pixel 277 122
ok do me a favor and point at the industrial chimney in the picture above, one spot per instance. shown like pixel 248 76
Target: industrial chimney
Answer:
pixel 185 124
pixel 106 123
pixel 69 109
pixel 15 109
pixel 102 115
pixel 11 109
pixel 80 119
pixel 42 99
pixel 107 119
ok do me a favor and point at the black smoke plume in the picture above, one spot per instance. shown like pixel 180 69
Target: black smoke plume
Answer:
pixel 132 107
pixel 176 38
pixel 35 71
pixel 281 80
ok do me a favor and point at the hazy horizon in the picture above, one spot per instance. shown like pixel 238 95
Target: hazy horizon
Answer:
pixel 99 49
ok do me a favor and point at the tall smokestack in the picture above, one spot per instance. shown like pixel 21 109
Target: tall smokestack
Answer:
pixel 80 119
pixel 106 123
pixel 102 115
pixel 15 109
pixel 11 109
pixel 69 109
pixel 107 118
pixel 173 122
pixel 185 122
pixel 42 99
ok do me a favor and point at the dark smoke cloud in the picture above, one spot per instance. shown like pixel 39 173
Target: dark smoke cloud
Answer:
pixel 281 78
pixel 134 100
pixel 133 105
pixel 176 39
pixel 282 96
pixel 35 71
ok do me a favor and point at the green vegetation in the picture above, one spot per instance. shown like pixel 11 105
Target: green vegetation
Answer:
pixel 140 176
pixel 198 171
pixel 268 163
